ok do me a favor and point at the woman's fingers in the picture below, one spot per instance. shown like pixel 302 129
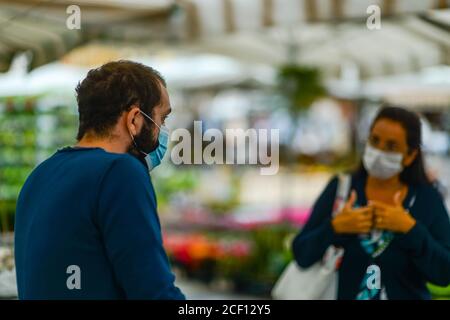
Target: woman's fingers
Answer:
pixel 365 211
pixel 381 213
pixel 364 214
pixel 364 220
pixel 382 222
pixel 379 205
pixel 398 198
pixel 351 201
pixel 379 220
pixel 365 227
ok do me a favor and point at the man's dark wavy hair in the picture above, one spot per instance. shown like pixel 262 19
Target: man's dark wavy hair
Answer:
pixel 112 89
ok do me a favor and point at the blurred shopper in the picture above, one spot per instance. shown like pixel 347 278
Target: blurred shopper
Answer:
pixel 86 221
pixel 394 218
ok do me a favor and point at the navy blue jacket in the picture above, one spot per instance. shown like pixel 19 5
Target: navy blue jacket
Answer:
pixel 412 259
pixel 94 210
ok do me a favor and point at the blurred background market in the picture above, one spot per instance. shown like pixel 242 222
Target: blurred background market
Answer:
pixel 313 69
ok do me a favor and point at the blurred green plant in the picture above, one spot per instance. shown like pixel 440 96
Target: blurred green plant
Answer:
pixel 300 85
pixel 227 204
pixel 7 215
pixel 257 273
pixel 22 127
pixel 439 293
pixel 170 182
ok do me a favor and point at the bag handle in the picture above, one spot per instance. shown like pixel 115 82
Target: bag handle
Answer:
pixel 343 190
pixel 333 255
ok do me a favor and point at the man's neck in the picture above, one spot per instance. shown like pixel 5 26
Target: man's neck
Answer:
pixel 109 145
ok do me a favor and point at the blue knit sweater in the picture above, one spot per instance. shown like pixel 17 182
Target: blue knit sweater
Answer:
pixel 87 228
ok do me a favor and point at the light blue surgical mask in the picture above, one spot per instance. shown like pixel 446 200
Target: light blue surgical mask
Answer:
pixel 154 158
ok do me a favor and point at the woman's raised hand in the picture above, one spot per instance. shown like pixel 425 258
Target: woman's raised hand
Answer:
pixel 392 217
pixel 351 220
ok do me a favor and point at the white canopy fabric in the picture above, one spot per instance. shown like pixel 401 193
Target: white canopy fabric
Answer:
pixel 180 72
pixel 428 89
pixel 39 26
pixel 197 71
pixel 126 4
pixel 121 4
pixel 406 45
pixel 212 17
pixel 440 16
pixel 235 28
pixel 45 39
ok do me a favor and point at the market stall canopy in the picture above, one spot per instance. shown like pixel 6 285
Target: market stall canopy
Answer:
pixel 425 90
pixel 254 29
pixel 181 71
pixel 198 71
pixel 44 39
pixel 39 27
pixel 212 17
pixel 153 5
pixel 440 17
pixel 55 78
pixel 402 45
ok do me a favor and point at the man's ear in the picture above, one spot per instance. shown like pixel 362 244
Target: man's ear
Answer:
pixel 410 157
pixel 133 123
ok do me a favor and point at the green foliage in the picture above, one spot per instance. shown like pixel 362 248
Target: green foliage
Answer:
pixel 24 143
pixel 7 215
pixel 441 293
pixel 301 85
pixel 268 257
pixel 227 204
pixel 170 182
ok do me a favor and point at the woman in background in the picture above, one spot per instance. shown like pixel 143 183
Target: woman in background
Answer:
pixel 394 218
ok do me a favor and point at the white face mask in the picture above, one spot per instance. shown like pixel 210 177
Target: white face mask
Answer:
pixel 381 164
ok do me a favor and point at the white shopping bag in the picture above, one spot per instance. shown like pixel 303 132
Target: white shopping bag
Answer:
pixel 318 282
pixel 8 285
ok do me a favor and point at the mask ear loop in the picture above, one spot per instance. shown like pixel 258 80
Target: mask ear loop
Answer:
pixel 132 138
pixel 135 144
pixel 148 117
pixel 162 128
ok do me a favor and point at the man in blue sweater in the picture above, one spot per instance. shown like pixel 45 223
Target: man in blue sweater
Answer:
pixel 86 220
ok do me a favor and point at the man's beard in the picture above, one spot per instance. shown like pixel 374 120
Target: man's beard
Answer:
pixel 143 142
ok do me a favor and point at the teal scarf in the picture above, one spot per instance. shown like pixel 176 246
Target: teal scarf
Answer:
pixel 374 245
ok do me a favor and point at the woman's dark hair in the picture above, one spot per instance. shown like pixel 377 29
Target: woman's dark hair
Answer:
pixel 415 173
pixel 113 88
